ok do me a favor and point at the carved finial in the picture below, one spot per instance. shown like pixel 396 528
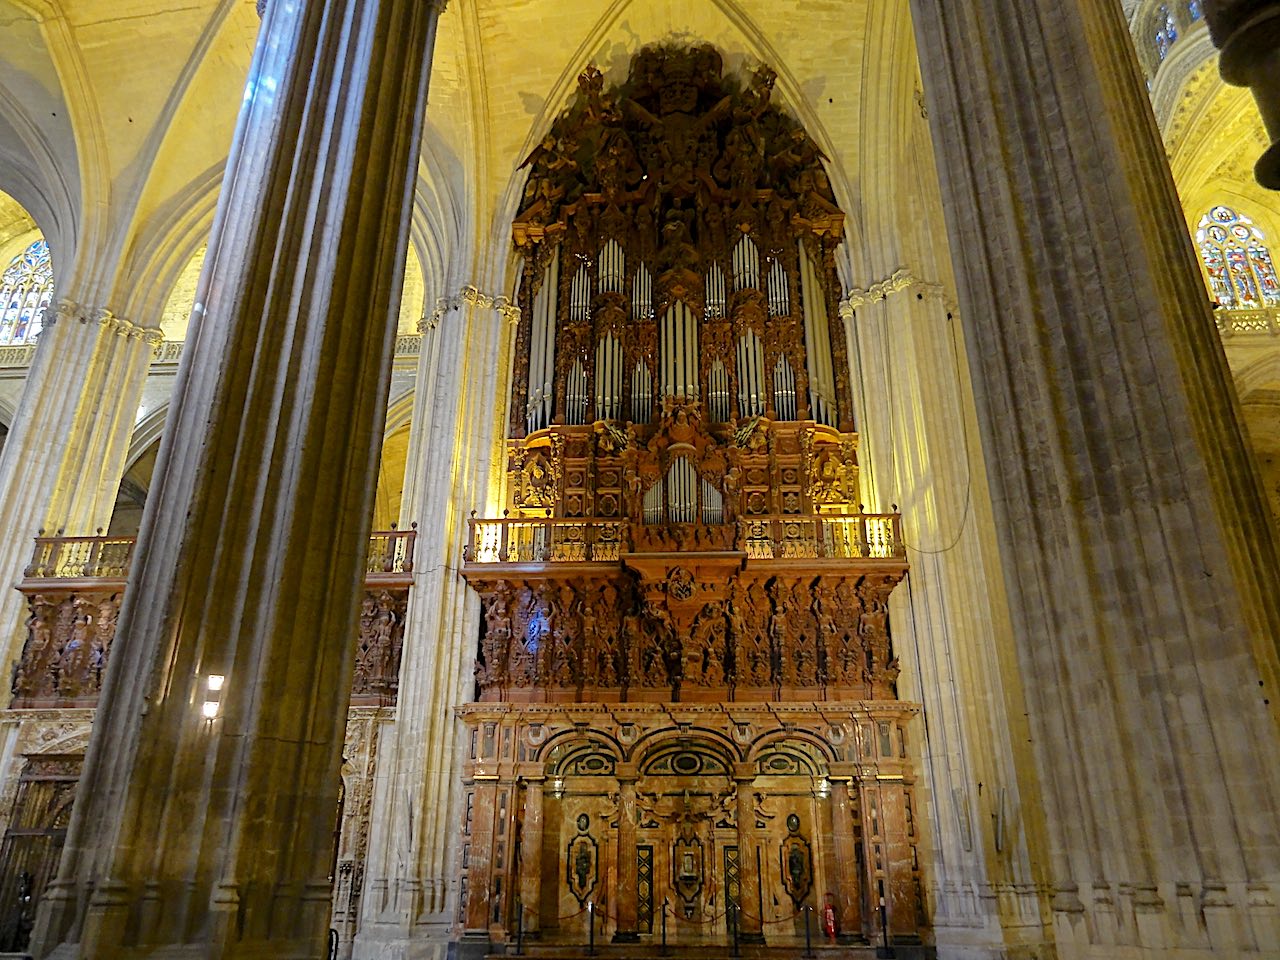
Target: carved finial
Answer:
pixel 99 531
pixel 505 513
pixel 393 525
pixel 414 525
pixel 893 507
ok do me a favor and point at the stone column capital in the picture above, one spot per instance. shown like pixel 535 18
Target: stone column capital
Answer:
pixel 128 329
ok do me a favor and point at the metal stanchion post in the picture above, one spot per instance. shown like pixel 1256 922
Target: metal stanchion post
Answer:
pixel 808 933
pixel 591 928
pixel 733 919
pixel 519 928
pixel 884 950
pixel 664 926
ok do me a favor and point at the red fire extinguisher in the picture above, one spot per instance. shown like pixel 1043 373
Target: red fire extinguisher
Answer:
pixel 829 919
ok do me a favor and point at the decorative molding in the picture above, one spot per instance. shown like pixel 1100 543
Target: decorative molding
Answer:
pixel 170 351
pixel 67 309
pixel 471 296
pixel 128 329
pixel 902 281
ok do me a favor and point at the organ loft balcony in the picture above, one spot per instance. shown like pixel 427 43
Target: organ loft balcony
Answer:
pixel 684 561
pixel 74 587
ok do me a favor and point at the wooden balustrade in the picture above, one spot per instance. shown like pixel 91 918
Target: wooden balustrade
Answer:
pixel 549 540
pixel 74 586
pixel 863 536
pixel 62 558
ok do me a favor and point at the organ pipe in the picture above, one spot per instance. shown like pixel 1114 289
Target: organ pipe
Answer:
pixel 751 395
pixel 718 393
pixel 779 296
pixel 542 361
pixel 580 295
pixel 608 378
pixel 642 294
pixel 678 352
pixel 611 268
pixel 784 390
pixel 822 386
pixel 716 295
pixel 746 265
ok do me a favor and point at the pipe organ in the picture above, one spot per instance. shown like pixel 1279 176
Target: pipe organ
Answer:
pixel 685 680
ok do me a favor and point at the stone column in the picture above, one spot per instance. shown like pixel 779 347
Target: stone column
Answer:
pixel 625 905
pixel 64 457
pixel 750 923
pixel 213 836
pixel 1136 548
pixel 1248 33
pixel 531 857
pixel 414 859
pixel 847 881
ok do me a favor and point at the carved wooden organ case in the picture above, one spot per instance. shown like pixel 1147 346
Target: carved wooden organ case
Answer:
pixel 682 527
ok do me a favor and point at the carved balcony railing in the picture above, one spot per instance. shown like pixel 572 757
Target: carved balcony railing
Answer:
pixel 863 536
pixel 74 586
pixel 546 541
pixel 81 558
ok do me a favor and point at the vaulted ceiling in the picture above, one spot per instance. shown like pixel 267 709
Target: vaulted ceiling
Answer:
pixel 116 117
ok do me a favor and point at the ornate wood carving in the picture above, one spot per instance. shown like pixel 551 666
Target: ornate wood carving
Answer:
pixel 677 165
pixel 70 632
pixel 685 611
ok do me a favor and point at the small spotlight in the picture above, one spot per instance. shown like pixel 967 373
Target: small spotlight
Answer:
pixel 210 709
pixel 216 681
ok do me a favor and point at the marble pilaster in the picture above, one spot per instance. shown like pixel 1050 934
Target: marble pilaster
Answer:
pixel 1137 554
pixel 213 836
pixel 531 857
pixel 626 931
pixel 750 923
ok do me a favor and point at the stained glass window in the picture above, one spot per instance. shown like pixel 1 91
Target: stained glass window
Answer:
pixel 1236 261
pixel 1193 10
pixel 1166 30
pixel 25 288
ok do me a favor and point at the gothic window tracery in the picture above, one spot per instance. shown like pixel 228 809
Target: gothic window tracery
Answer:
pixel 1237 261
pixel 1166 30
pixel 25 288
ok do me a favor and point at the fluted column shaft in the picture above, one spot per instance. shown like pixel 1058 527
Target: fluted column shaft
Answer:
pixel 414 860
pixel 1248 33
pixel 64 458
pixel 1136 549
pixel 213 838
